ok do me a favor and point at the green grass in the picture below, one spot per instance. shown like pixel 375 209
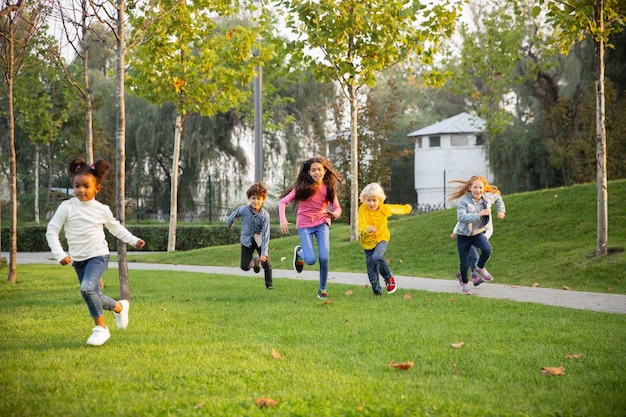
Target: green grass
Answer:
pixel 201 345
pixel 548 237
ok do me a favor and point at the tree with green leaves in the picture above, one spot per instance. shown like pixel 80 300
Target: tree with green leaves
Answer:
pixel 574 20
pixel 352 41
pixel 195 58
pixel 19 22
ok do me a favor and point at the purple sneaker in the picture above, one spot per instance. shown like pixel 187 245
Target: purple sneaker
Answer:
pixel 484 273
pixel 477 279
pixel 458 276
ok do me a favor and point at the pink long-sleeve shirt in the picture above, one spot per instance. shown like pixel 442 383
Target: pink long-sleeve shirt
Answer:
pixel 311 212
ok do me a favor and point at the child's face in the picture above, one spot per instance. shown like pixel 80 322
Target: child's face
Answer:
pixel 317 172
pixel 372 203
pixel 477 189
pixel 256 201
pixel 85 187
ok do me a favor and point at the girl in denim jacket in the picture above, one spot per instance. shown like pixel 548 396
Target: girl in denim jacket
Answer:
pixel 475 197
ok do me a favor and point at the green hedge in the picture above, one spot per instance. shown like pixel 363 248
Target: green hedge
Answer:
pixel 33 238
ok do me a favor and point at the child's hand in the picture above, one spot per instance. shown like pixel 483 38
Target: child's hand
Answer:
pixel 485 212
pixel 371 229
pixel 331 215
pixel 284 227
pixel 66 261
pixel 140 244
pixel 501 215
pixel 453 236
pixel 263 258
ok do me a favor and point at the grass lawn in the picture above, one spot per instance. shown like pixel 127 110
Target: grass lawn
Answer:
pixel 201 345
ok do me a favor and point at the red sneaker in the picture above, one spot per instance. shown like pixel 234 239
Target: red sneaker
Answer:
pixel 391 285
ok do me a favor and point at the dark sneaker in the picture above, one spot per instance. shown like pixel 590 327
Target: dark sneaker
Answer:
pixel 322 294
pixel 458 276
pixel 298 263
pixel 477 280
pixel 257 265
pixel 391 285
pixel 484 273
pixel 269 286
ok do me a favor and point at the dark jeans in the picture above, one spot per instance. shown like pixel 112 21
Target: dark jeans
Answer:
pixel 246 258
pixel 464 246
pixel 375 262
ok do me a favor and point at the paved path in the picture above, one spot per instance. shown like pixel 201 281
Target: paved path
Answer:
pixel 611 303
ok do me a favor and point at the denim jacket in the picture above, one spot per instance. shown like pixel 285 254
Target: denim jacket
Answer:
pixel 470 222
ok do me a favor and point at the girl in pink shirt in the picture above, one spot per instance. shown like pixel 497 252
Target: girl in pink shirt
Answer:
pixel 315 191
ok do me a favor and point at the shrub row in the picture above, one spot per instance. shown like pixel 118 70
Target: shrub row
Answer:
pixel 33 238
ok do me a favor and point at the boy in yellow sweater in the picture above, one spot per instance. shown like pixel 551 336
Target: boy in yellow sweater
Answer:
pixel 374 234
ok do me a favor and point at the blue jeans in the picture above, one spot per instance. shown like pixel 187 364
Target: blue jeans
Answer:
pixel 322 235
pixel 375 262
pixel 464 246
pixel 89 273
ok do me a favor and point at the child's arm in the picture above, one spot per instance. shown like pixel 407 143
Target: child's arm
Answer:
pixel 52 235
pixel 231 218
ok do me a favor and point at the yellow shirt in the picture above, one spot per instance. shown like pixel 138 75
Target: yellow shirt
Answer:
pixel 378 219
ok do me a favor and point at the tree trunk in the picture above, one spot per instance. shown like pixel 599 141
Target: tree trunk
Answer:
pixel 601 180
pixel 37 183
pixel 178 131
pixel 120 159
pixel 354 162
pixel 11 278
pixel 88 104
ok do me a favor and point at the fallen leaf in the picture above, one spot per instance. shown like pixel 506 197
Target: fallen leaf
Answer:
pixel 565 287
pixel 429 300
pixel 451 300
pixel 408 296
pixel 556 196
pixel 458 345
pixel 388 260
pixel 400 261
pixel 610 289
pixel 550 370
pixel 265 402
pixel 535 285
pixel 403 365
pixel 456 371
pixel 349 292
pixel 366 286
pixel 283 258
pixel 275 354
pixel 346 320
pixel 575 356
pixel 326 302
pixel 199 406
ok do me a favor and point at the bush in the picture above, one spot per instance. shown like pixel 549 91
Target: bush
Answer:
pixel 33 238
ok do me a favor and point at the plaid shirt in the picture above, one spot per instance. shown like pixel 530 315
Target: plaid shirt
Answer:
pixel 254 227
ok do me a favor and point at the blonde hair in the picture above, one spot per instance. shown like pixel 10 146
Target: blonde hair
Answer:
pixel 463 187
pixel 375 190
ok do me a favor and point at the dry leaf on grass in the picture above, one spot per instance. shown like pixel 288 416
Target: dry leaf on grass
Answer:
pixel 458 345
pixel 565 287
pixel 349 292
pixel 403 365
pixel 536 285
pixel 408 296
pixel 265 402
pixel 326 302
pixel 276 355
pixel 551 370
pixel 575 356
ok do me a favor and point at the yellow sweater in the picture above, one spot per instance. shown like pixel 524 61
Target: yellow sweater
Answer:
pixel 378 219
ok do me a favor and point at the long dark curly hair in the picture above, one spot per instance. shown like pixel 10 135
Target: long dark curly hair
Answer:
pixel 305 185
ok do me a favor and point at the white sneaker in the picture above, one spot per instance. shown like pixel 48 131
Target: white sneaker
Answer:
pixel 121 318
pixel 99 335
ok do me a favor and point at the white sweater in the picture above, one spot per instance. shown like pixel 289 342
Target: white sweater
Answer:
pixel 83 221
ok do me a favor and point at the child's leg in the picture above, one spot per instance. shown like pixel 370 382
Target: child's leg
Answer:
pixel 463 244
pixel 473 257
pixel 246 257
pixel 322 234
pixel 307 253
pixel 89 273
pixel 381 262
pixel 372 271
pixel 481 242
pixel 267 269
